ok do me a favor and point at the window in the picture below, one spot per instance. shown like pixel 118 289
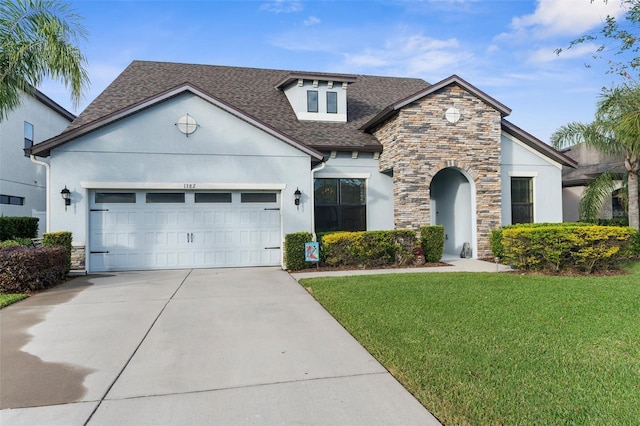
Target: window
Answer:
pixel 332 102
pixel 340 205
pixel 165 197
pixel 213 197
pixel 617 204
pixel 28 138
pixel 521 200
pixel 115 197
pixel 312 101
pixel 258 197
pixel 12 200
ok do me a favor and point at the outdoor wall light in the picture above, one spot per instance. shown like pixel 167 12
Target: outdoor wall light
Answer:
pixel 66 196
pixel 297 196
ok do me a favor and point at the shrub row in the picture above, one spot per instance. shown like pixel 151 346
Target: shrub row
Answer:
pixel 366 248
pixel 18 227
pixel 25 269
pixel 574 247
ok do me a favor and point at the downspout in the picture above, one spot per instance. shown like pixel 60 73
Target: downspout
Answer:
pixel 47 187
pixel 313 202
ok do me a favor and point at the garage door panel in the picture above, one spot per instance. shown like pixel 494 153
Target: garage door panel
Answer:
pixel 145 235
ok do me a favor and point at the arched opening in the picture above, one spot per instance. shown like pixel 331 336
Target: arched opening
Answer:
pixel 453 206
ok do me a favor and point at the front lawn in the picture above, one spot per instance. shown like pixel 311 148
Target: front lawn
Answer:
pixel 501 348
pixel 8 299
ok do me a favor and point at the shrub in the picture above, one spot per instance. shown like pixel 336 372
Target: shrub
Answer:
pixel 432 242
pixel 496 243
pixel 18 227
pixel 584 248
pixel 368 248
pixel 52 239
pixel 9 243
pixel 294 250
pixel 24 269
pixel 635 245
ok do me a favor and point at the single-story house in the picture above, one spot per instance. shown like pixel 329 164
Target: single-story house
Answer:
pixel 182 165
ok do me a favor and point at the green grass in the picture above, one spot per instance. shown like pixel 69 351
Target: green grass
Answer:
pixel 8 299
pixel 501 348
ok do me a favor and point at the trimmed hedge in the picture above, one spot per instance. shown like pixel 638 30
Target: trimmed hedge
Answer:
pixel 294 250
pixel 368 248
pixel 18 227
pixel 432 242
pixel 575 247
pixel 24 269
pixel 53 239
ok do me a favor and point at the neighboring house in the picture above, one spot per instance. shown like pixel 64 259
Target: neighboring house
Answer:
pixel 23 183
pixel 592 163
pixel 179 165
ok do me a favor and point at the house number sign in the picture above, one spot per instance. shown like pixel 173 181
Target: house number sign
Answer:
pixel 189 186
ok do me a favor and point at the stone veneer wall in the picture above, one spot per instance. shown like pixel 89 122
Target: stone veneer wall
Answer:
pixel 78 258
pixel 419 142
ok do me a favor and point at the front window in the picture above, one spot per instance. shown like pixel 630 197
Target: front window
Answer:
pixel 521 200
pixel 312 101
pixel 340 205
pixel 618 209
pixel 28 138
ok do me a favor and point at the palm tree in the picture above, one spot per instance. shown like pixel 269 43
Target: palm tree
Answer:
pixel 615 131
pixel 38 39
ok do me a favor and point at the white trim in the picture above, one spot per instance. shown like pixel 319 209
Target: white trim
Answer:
pixel 343 176
pixel 523 174
pixel 533 151
pixel 187 186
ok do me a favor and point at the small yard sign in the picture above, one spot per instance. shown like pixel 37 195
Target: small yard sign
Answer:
pixel 311 252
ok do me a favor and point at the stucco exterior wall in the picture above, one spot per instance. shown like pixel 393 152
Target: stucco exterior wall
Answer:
pixel 379 185
pixel 520 161
pixel 18 175
pixel 419 142
pixel 147 149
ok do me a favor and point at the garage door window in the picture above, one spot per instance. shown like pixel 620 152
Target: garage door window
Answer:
pixel 258 197
pixel 165 197
pixel 116 197
pixel 213 197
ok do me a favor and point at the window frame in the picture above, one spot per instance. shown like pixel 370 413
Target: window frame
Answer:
pixel 333 102
pixel 349 216
pixel 529 204
pixel 312 105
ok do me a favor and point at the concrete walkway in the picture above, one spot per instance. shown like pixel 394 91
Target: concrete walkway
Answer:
pixel 189 347
pixel 455 265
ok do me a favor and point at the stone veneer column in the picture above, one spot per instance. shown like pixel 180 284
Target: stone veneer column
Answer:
pixel 419 142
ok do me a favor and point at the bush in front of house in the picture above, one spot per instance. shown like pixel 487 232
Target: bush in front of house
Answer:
pixel 18 227
pixel 368 248
pixel 53 239
pixel 432 242
pixel 294 250
pixel 567 247
pixel 24 269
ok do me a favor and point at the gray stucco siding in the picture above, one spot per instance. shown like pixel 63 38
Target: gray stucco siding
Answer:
pixel 147 150
pixel 519 160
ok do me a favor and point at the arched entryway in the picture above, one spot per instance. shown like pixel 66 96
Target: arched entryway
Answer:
pixel 453 201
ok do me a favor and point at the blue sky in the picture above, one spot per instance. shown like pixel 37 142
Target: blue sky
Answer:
pixel 505 48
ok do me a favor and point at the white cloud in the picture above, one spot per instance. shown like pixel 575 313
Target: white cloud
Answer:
pixel 565 17
pixel 547 54
pixel 282 6
pixel 311 20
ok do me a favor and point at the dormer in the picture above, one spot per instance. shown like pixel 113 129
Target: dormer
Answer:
pixel 317 97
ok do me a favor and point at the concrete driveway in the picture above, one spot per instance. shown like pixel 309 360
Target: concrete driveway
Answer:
pixel 189 347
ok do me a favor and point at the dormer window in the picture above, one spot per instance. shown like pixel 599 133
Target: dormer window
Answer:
pixel 332 102
pixel 317 97
pixel 312 101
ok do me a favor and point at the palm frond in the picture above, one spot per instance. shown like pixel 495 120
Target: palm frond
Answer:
pixel 596 194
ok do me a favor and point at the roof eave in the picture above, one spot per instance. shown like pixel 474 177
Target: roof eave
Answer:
pixel 538 145
pixel 294 76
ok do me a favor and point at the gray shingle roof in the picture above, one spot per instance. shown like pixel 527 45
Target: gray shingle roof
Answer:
pixel 254 92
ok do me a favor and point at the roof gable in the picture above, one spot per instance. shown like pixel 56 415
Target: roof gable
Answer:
pixel 536 144
pixel 454 79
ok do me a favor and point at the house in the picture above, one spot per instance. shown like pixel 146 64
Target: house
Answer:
pixel 22 182
pixel 183 165
pixel 592 163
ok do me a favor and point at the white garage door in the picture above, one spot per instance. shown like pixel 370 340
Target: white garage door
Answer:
pixel 136 230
